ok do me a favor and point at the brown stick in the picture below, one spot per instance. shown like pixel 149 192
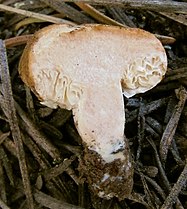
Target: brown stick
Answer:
pixel 98 15
pixel 170 129
pixel 13 122
pixel 16 41
pixel 176 189
pixel 68 11
pixel 3 205
pixel 154 5
pixel 52 202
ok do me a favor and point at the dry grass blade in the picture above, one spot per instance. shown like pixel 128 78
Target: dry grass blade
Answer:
pixel 98 15
pixel 46 18
pixel 31 20
pixel 156 5
pixel 13 122
pixel 27 21
pixel 51 202
pixel 176 189
pixel 172 125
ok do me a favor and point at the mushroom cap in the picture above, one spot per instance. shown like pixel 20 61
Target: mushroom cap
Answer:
pixel 65 59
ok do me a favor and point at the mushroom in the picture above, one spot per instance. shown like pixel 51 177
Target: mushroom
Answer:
pixel 87 69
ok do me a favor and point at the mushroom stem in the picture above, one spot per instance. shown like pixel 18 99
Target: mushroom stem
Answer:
pixel 102 131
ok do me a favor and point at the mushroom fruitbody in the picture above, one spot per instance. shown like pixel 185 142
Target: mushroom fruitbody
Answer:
pixel 87 69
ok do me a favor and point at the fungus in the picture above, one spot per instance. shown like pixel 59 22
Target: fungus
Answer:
pixel 87 69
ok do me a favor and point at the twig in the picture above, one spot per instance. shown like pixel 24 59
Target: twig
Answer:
pixel 55 171
pixel 73 175
pixel 156 186
pixel 154 124
pixel 138 198
pixel 3 205
pixel 151 131
pixel 46 18
pixel 36 152
pixel 37 136
pixel 3 194
pixel 98 15
pixel 176 72
pixel 60 117
pixel 174 77
pixel 175 153
pixel 152 106
pixel 147 192
pixel 55 183
pixel 50 130
pixel 51 202
pixel 165 180
pixel 119 14
pixel 17 41
pixel 141 128
pixel 10 146
pixel 172 125
pixel 165 40
pixel 165 87
pixel 11 115
pixel 3 136
pixel 169 109
pixel 62 188
pixel 172 197
pixel 7 165
pixel 154 5
pixel 30 104
pixel 82 198
pixel 68 11
pixel 178 18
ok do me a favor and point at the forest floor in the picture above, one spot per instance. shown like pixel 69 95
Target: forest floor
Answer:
pixel 40 147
